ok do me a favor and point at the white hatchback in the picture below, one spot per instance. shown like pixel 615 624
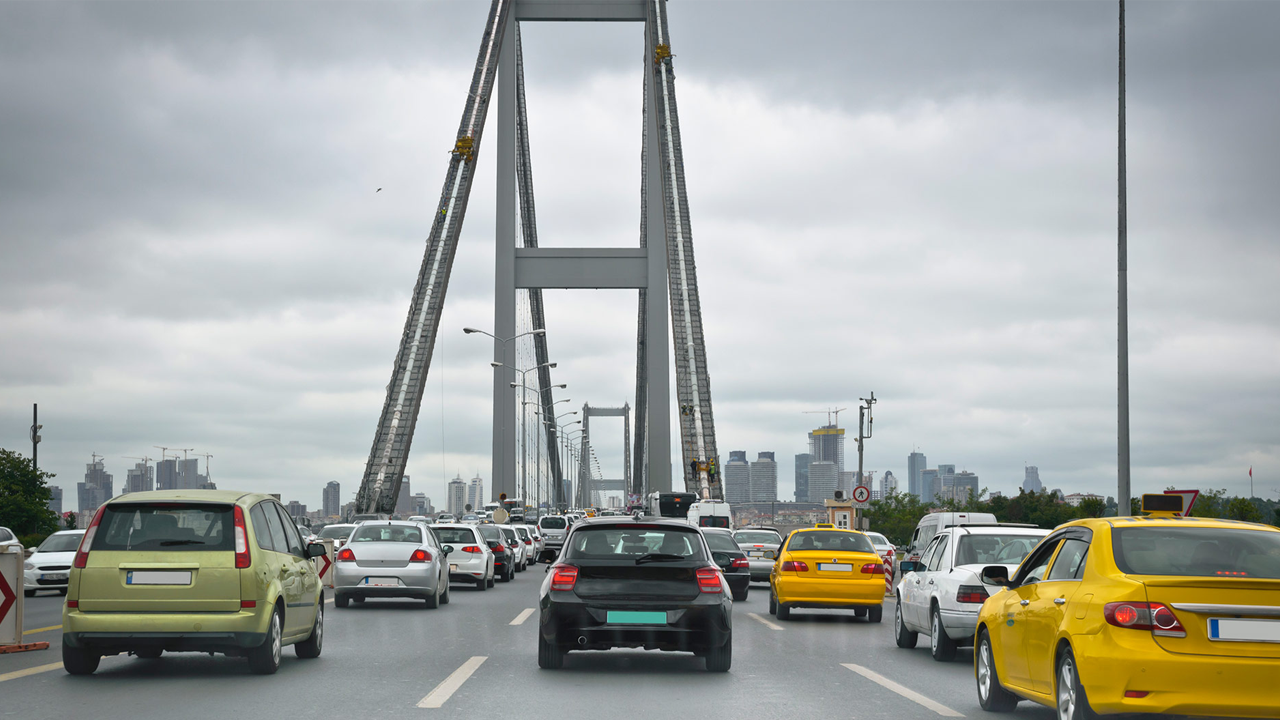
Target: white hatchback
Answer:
pixel 470 559
pixel 50 565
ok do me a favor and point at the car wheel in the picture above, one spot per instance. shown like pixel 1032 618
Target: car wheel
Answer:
pixel 991 694
pixel 265 659
pixel 444 599
pixel 904 637
pixel 740 596
pixel 720 659
pixel 433 600
pixel 28 593
pixel 773 603
pixel 1073 704
pixel 340 600
pixel 311 647
pixel 149 653
pixel 482 584
pixel 875 614
pixel 550 656
pixel 62 592
pixel 942 646
pixel 784 612
pixel 489 583
pixel 78 661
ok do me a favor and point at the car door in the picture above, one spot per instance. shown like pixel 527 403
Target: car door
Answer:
pixel 1049 600
pixel 268 564
pixel 912 611
pixel 1011 655
pixel 936 567
pixel 297 616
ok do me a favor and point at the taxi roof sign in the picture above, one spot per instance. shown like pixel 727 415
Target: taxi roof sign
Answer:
pixel 1161 504
pixel 825 525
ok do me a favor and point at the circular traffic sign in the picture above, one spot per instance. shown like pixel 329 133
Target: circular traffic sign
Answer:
pixel 861 494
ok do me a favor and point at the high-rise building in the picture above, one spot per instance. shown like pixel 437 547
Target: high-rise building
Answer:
pixel 845 485
pixel 802 477
pixel 764 478
pixel 140 478
pixel 927 478
pixel 962 485
pixel 826 444
pixel 55 499
pixel 946 469
pixel 1031 483
pixel 475 493
pixel 404 501
pixel 916 463
pixel 823 478
pixel 97 488
pixel 456 499
pixel 422 504
pixel 189 477
pixel 296 510
pixel 888 484
pixel 332 499
pixel 737 478
pixel 167 474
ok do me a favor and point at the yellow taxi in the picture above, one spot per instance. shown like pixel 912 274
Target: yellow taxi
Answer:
pixel 825 567
pixel 1154 614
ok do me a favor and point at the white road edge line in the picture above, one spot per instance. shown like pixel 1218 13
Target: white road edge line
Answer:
pixel 767 623
pixel 907 693
pixel 437 698
pixel 524 615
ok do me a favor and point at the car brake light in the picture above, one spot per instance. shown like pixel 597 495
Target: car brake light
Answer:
pixel 971 594
pixel 472 549
pixel 889 552
pixel 709 580
pixel 73 604
pixel 82 552
pixel 528 542
pixel 873 569
pixel 563 577
pixel 242 539
pixel 1136 693
pixel 420 555
pixel 346 555
pixel 248 604
pixel 740 563
pixel 1156 617
pixel 794 566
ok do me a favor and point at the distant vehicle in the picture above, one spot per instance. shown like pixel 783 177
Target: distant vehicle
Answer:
pixel 470 559
pixel 391 558
pixel 530 547
pixel 553 528
pixel 338 532
pixel 588 598
pixel 470 519
pixel 710 514
pixel 517 547
pixel 608 513
pixel 49 567
pixel 669 505
pixel 446 518
pixel 361 517
pixel 504 566
pixel 731 560
pixel 761 547
pixel 884 547
pixel 934 523
pixel 192 571
pixel 7 538
pixel 941 593
pixel 489 507
pixel 420 519
pixel 827 568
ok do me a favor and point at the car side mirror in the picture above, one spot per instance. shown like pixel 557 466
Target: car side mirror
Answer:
pixel 315 550
pixel 907 566
pixel 996 575
pixel 446 549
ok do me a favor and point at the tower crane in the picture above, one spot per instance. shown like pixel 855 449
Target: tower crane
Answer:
pixel 828 411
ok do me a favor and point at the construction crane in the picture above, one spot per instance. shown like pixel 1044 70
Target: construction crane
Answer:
pixel 829 412
pixel 207 474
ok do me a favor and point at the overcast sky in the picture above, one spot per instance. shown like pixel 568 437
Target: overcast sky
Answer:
pixel 912 198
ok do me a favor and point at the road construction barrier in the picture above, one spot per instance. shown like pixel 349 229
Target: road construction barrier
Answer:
pixel 11 559
pixel 324 563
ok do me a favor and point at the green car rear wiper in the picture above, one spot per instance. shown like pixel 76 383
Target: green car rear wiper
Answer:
pixel 658 557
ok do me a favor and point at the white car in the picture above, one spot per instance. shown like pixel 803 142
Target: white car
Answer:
pixel 470 559
pixel 50 565
pixel 553 528
pixel 444 518
pixel 538 543
pixel 883 547
pixel 7 538
pixel 941 593
pixel 516 543
pixel 526 538
pixel 338 533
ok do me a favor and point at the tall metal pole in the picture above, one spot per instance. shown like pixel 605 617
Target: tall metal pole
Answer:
pixel 35 435
pixel 1122 339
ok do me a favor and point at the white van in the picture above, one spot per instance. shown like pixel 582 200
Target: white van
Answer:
pixel 934 523
pixel 710 514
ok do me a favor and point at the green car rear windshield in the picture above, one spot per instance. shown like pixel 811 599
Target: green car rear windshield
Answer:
pixel 1197 552
pixel 165 526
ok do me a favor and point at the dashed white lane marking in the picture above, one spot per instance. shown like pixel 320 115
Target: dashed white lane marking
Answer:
pixel 767 623
pixel 524 615
pixel 437 698
pixel 907 693
pixel 30 671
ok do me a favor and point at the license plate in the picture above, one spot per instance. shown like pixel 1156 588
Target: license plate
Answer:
pixel 382 581
pixel 755 554
pixel 829 567
pixel 54 576
pixel 617 617
pixel 158 577
pixel 453 568
pixel 1244 630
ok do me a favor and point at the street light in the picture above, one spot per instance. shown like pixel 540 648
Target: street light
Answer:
pixel 524 453
pixel 469 331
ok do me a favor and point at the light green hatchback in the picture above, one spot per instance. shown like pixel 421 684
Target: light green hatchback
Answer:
pixel 192 571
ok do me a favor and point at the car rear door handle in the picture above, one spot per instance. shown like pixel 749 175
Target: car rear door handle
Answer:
pixel 1025 603
pixel 1059 601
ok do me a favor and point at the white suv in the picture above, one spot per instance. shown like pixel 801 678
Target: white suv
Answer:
pixel 553 528
pixel 942 592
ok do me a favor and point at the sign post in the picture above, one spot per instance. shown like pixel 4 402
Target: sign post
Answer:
pixel 324 563
pixel 11 603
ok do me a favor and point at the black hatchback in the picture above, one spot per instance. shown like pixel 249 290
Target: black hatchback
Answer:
pixel 731 560
pixel 649 584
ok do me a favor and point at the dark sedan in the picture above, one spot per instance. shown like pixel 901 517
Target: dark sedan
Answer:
pixel 649 584
pixel 504 567
pixel 731 560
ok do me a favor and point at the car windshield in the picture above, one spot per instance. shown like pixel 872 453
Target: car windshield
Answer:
pixel 722 542
pixel 878 539
pixel 830 540
pixel 165 526
pixel 388 533
pixel 631 542
pixel 454 535
pixel 336 532
pixel 523 533
pixel 757 537
pixel 988 549
pixel 1198 552
pixel 60 543
pixel 552 523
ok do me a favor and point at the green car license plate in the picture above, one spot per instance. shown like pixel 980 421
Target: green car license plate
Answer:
pixel 636 618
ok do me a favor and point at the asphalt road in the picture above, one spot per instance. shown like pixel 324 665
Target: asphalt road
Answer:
pixel 384 658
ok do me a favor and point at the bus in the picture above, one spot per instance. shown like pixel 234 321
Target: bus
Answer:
pixel 669 504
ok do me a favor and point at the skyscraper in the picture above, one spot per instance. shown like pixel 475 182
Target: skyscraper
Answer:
pixel 764 478
pixel 140 478
pixel 404 501
pixel 823 477
pixel 846 481
pixel 946 469
pixel 55 499
pixel 737 478
pixel 189 477
pixel 332 499
pixel 97 488
pixel 888 484
pixel 802 477
pixel 167 474
pixel 916 463
pixel 826 444
pixel 456 499
pixel 475 493
pixel 1031 483
pixel 927 478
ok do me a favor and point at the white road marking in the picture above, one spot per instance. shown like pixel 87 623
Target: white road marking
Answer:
pixel 907 693
pixel 524 615
pixel 437 698
pixel 767 623
pixel 30 671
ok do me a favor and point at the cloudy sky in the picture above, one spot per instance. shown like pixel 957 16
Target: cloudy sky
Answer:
pixel 912 198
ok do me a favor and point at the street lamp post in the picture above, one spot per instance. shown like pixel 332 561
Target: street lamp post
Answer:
pixel 545 425
pixel 570 451
pixel 503 450
pixel 524 454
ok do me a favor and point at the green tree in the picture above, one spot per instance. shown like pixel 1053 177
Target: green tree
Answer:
pixel 1210 504
pixel 1092 507
pixel 1243 509
pixel 24 496
pixel 896 516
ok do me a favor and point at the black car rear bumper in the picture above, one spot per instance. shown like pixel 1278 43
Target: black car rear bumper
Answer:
pixel 692 628
pixel 107 643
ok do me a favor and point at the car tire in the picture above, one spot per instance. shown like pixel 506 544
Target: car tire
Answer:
pixel 784 612
pixel 720 659
pixel 773 603
pixel 1072 703
pixel 62 592
pixel 901 634
pixel 78 661
pixel 311 647
pixel 444 599
pixel 482 584
pixel 875 614
pixel 340 600
pixel 433 600
pixel 489 583
pixel 550 656
pixel 741 596
pixel 149 653
pixel 941 646
pixel 265 659
pixel 28 593
pixel 991 694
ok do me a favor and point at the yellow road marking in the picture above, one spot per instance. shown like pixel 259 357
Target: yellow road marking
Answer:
pixel 30 671
pixel 40 630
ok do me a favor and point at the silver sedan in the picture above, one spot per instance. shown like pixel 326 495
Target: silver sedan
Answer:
pixel 389 558
pixel 761 547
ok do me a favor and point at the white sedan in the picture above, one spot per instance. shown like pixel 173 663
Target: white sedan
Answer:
pixel 50 565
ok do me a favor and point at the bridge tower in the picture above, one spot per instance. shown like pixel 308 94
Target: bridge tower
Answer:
pixel 661 268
